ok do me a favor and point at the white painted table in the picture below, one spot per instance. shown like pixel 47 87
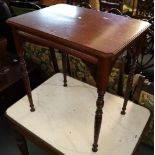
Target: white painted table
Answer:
pixel 64 118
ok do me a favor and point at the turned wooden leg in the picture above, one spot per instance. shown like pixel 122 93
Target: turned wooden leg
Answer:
pixel 54 60
pixel 64 64
pixel 18 44
pixel 104 67
pixel 129 84
pixel 68 66
pixel 26 81
pixel 21 142
pixel 98 119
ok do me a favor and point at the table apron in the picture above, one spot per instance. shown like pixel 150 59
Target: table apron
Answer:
pixel 63 48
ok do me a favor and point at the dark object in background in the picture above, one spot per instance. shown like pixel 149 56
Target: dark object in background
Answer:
pixel 5 29
pixel 3 44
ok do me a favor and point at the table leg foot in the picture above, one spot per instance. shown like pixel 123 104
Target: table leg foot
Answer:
pixel 123 112
pixel 95 148
pixel 32 109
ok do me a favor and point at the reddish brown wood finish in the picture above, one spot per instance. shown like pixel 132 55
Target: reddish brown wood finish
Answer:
pixel 64 63
pixel 18 43
pixel 86 30
pixel 54 60
pixel 91 35
pixel 135 51
pixel 132 68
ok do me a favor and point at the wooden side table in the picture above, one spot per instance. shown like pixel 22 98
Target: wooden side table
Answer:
pixel 72 30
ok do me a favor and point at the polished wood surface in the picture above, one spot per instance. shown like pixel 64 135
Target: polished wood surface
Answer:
pixel 91 31
pixel 94 36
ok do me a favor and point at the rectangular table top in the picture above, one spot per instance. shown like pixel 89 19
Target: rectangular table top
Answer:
pixel 90 31
pixel 64 118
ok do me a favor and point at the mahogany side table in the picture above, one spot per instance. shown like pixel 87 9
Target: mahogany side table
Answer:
pixel 97 37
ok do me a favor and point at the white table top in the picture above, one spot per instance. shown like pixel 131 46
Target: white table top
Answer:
pixel 64 118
